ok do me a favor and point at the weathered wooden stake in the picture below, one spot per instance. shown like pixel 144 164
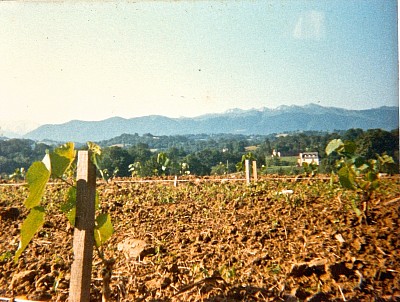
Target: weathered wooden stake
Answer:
pixel 254 170
pixel 81 270
pixel 247 170
pixel 176 181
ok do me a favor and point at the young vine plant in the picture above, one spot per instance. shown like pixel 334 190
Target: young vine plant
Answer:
pixel 354 171
pixel 58 164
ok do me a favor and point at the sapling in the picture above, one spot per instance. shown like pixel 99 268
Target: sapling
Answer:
pixel 310 169
pixel 58 164
pixel 354 171
pixel 135 168
pixel 248 156
pixel 19 174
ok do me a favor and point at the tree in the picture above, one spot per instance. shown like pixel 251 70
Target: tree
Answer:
pixel 19 153
pixel 352 134
pixel 197 165
pixel 140 152
pixel 377 141
pixel 264 151
pixel 116 160
pixel 219 169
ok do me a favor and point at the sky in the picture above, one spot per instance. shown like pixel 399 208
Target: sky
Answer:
pixel 91 60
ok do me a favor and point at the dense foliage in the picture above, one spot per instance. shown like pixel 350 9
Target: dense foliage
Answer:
pixel 19 153
pixel 204 154
pixel 218 154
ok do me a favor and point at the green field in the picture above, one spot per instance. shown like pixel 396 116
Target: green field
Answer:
pixel 283 165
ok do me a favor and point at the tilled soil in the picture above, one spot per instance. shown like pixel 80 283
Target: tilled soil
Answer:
pixel 216 241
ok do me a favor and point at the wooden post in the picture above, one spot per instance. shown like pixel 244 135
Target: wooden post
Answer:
pixel 81 270
pixel 255 170
pixel 247 170
pixel 176 181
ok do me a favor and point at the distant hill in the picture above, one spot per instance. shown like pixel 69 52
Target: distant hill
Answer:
pixel 236 121
pixel 16 129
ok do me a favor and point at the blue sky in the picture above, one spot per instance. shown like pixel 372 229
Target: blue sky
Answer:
pixel 93 60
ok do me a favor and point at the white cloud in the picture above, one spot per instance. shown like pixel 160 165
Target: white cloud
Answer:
pixel 310 26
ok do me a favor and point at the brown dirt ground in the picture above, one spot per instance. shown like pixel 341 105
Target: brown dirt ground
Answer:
pixel 217 241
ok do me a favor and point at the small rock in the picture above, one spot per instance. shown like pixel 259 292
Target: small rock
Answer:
pixel 22 277
pixel 339 238
pixel 158 283
pixel 358 244
pixel 132 248
pixel 286 192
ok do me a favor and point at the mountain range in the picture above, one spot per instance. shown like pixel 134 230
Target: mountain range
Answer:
pixel 16 129
pixel 253 121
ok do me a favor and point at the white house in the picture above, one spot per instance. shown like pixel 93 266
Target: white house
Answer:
pixel 309 158
pixel 276 153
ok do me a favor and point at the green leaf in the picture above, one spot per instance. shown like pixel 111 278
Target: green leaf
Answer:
pixel 332 179
pixel 94 148
pixel 363 167
pixel 5 256
pixel 355 208
pixel 95 153
pixel 104 174
pixel 349 147
pixel 375 185
pixel 334 145
pixel 385 159
pixel 371 176
pixel 97 204
pixel 37 177
pixel 96 157
pixel 103 229
pixel 31 225
pixel 347 178
pixel 359 162
pixel 69 206
pixel 61 159
pixel 365 185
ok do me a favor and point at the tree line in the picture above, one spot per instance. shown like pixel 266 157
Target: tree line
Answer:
pixel 149 155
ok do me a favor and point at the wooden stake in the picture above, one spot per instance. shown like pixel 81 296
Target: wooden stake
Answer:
pixel 247 170
pixel 255 170
pixel 81 270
